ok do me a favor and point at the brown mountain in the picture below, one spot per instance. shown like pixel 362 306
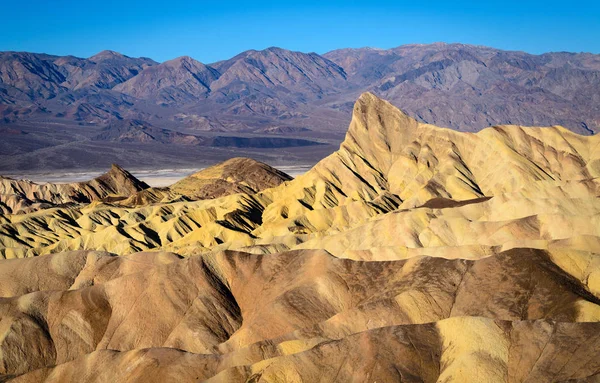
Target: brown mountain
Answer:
pixel 29 76
pixel 461 86
pixel 274 84
pixel 68 88
pixel 236 175
pixel 104 70
pixel 44 76
pixel 278 69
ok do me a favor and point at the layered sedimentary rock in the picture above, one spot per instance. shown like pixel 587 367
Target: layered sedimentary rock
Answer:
pixel 413 253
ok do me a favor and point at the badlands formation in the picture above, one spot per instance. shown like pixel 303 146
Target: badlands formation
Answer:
pixel 413 253
pixel 22 196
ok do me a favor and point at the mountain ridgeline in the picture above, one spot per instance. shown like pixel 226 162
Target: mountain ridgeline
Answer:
pixel 48 101
pixel 454 85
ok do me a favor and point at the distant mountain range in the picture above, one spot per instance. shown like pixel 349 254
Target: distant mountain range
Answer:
pixel 280 92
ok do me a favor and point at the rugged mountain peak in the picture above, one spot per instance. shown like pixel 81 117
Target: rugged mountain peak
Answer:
pixel 195 67
pixel 116 167
pixel 184 60
pixel 106 55
pixel 273 68
pixel 378 130
pixel 181 80
pixel 389 159
pixel 116 170
pixel 104 70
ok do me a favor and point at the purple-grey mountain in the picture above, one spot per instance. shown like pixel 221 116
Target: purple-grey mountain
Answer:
pixel 110 103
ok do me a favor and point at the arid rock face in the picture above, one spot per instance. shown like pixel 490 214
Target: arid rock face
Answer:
pixel 18 196
pixel 237 175
pixel 413 253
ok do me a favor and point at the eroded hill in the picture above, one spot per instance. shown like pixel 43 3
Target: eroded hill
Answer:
pixel 413 253
pixel 21 196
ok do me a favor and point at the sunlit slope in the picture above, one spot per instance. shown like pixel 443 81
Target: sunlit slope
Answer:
pixel 388 162
pixel 236 175
pixel 23 196
pixel 413 253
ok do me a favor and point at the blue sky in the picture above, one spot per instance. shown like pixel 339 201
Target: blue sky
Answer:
pixel 216 30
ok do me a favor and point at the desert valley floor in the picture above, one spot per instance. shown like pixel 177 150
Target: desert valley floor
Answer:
pixel 413 253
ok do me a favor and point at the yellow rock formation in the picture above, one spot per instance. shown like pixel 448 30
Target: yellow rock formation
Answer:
pixel 413 253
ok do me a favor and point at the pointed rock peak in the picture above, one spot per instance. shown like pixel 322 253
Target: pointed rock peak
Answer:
pixel 183 60
pixel 369 97
pixel 121 180
pixel 117 169
pixel 377 130
pixel 106 55
pixel 370 104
